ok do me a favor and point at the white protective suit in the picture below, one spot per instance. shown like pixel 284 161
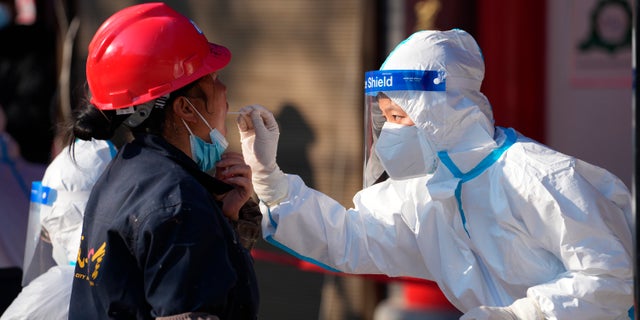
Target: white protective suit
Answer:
pixel 47 296
pixel 73 182
pixel 502 218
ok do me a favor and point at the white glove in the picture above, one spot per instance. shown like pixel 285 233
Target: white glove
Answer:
pixel 521 309
pixel 259 134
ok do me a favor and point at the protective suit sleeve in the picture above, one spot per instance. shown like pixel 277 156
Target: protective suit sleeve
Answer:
pixel 259 134
pixel 364 239
pixel 521 309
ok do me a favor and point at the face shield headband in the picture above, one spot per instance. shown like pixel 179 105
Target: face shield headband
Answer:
pixel 404 80
pixel 380 81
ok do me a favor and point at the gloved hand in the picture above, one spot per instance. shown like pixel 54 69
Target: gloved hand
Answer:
pixel 259 134
pixel 521 309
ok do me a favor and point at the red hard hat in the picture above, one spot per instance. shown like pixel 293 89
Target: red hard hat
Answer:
pixel 146 51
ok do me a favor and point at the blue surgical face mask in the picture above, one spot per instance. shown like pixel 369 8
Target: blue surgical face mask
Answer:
pixel 206 154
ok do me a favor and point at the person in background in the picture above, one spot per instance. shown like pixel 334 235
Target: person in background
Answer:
pixel 161 230
pixel 68 180
pixel 16 175
pixel 508 227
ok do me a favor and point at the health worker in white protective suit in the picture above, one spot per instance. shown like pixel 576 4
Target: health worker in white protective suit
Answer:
pixel 65 187
pixel 507 227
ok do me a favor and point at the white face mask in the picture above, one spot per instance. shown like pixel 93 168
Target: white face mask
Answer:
pixel 401 153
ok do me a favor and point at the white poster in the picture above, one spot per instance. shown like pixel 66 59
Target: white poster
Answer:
pixel 601 40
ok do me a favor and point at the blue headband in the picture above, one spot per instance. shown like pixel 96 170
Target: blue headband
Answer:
pixel 395 80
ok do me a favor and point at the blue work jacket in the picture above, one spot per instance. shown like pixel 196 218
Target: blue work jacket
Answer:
pixel 155 242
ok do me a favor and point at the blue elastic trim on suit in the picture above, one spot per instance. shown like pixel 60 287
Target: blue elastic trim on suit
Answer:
pixel 273 222
pixel 290 251
pixel 112 149
pixel 489 160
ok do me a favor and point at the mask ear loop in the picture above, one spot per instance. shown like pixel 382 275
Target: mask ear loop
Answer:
pixel 187 126
pixel 200 115
pixel 216 134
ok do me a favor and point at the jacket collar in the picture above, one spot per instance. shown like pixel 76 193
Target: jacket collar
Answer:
pixel 161 146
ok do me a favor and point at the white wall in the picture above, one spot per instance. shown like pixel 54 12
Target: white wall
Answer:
pixel 588 105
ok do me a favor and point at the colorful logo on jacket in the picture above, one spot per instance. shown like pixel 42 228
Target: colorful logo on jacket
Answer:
pixel 89 262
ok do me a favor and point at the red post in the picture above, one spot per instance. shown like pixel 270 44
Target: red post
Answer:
pixel 512 36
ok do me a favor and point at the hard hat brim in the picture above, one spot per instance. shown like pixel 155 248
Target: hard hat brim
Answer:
pixel 219 57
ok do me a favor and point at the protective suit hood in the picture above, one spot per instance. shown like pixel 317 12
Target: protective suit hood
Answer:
pixel 458 119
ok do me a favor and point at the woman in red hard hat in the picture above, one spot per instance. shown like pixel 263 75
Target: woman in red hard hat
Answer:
pixel 159 237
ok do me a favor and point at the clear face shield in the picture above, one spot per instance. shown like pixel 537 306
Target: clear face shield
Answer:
pixel 381 82
pixel 373 122
pixel 38 249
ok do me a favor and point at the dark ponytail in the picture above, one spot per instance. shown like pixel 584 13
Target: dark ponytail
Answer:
pixel 90 122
